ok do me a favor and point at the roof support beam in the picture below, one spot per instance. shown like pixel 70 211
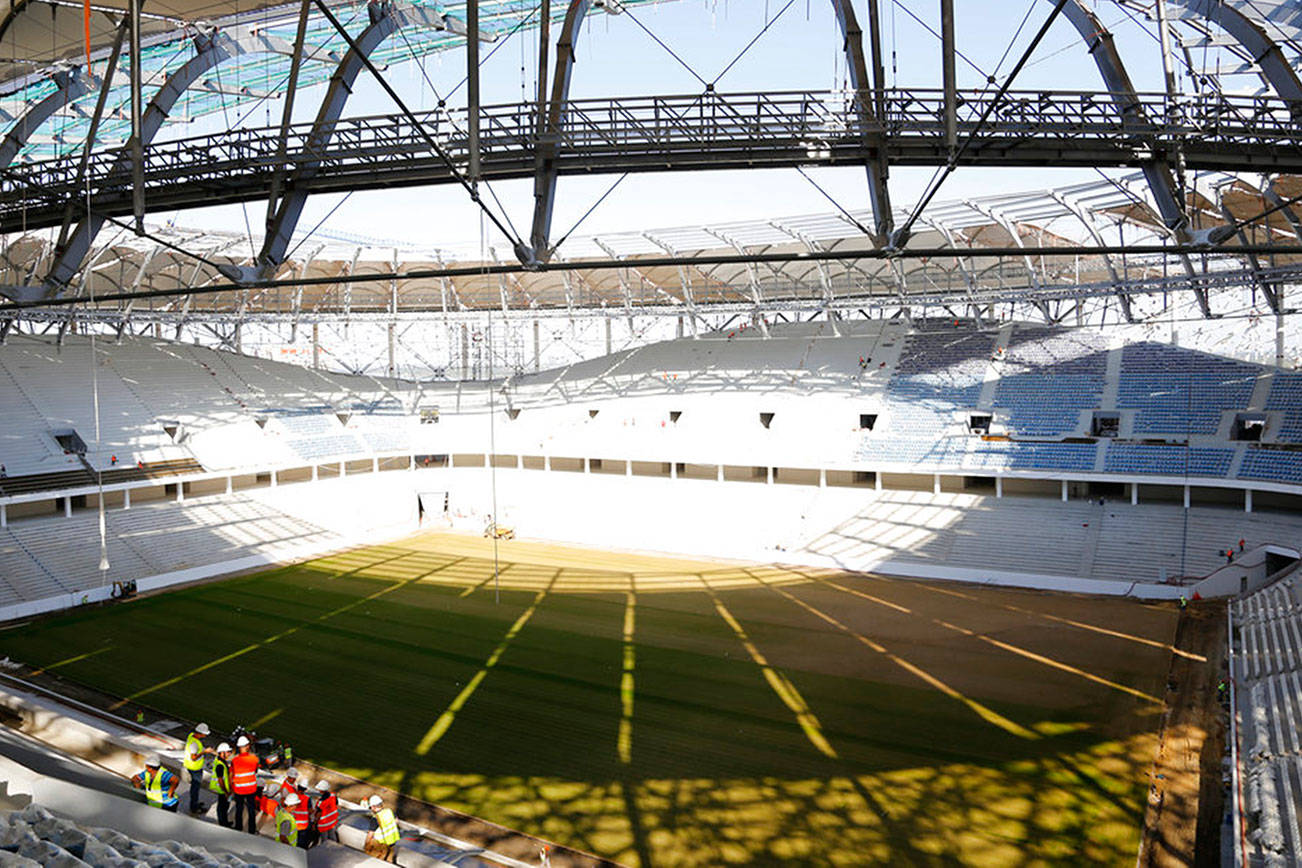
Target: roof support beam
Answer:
pixel 1265 51
pixel 213 49
pixel 1098 41
pixel 70 84
pixel 1122 298
pixel 281 224
pixel 547 168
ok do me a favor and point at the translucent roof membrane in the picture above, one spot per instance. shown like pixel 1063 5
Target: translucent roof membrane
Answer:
pixel 256 75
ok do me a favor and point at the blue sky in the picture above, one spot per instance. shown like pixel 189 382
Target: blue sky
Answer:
pixel 800 50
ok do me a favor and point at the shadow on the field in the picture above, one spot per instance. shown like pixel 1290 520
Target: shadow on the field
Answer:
pixel 747 719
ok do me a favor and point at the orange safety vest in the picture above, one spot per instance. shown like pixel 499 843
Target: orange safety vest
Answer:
pixel 244 774
pixel 328 816
pixel 302 812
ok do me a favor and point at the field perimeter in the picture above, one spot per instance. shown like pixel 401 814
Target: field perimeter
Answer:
pixel 667 712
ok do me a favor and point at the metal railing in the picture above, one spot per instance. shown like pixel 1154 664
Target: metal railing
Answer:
pixel 676 132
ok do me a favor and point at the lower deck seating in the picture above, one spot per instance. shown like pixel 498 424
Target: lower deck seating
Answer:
pixel 42 557
pixel 1266 644
pixel 34 836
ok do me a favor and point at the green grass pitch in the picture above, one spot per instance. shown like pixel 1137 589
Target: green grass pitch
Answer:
pixel 665 712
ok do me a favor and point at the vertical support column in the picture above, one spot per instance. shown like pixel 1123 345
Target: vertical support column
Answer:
pixel 719 473
pixel 947 74
pixel 673 469
pixel 587 465
pixel 608 341
pixel 877 480
pixel 375 464
pixel 628 467
pixel 180 491
pixel 1247 500
pixel 1064 491
pixel 126 498
pixel 316 472
pixel 999 486
pixel 230 484
pixel 935 483
pixel 273 479
pixel 1279 332
pixel 1134 494
pixel 544 38
pixel 547 462
pixel 1186 497
pixel 472 85
pixel 769 469
pixel 316 346
pixel 342 470
pixel 137 107
pixel 537 351
pixel 393 369
pixel 4 515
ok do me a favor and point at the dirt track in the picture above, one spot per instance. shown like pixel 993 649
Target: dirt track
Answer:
pixel 1182 821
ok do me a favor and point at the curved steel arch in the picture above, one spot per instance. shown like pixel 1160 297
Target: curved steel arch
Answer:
pixel 280 229
pixel 1099 42
pixel 1265 51
pixel 70 84
pixel 549 138
pixel 213 49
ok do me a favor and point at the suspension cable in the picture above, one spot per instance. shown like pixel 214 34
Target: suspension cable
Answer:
pixel 934 188
pixel 417 125
pixel 658 41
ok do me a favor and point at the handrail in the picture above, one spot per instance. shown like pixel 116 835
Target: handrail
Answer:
pixel 664 124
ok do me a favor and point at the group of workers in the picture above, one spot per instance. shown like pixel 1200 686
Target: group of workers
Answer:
pixel 304 814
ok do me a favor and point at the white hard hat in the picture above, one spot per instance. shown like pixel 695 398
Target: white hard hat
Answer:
pixel 375 802
pixel 291 772
pixel 322 786
pixel 305 784
pixel 291 800
pixel 152 760
pixel 223 748
pixel 242 741
pixel 202 729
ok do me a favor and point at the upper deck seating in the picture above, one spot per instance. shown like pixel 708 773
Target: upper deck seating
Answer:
pixel 1181 392
pixel 1048 376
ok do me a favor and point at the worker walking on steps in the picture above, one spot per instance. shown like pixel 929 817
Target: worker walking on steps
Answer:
pixel 327 813
pixel 158 783
pixel 286 829
pixel 195 751
pixel 382 842
pixel 220 783
pixel 244 784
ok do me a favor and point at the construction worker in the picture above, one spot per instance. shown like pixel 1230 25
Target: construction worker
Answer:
pixel 303 816
pixel 158 783
pixel 327 812
pixel 385 834
pixel 193 761
pixel 220 783
pixel 286 829
pixel 288 784
pixel 244 784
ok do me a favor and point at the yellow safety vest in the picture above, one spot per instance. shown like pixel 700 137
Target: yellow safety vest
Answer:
pixel 387 833
pixel 286 830
pixel 220 781
pixel 191 743
pixel 154 788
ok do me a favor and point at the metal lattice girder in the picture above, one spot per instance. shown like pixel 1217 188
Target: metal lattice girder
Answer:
pixel 281 228
pixel 646 134
pixel 1108 60
pixel 212 49
pixel 71 84
pixel 551 138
